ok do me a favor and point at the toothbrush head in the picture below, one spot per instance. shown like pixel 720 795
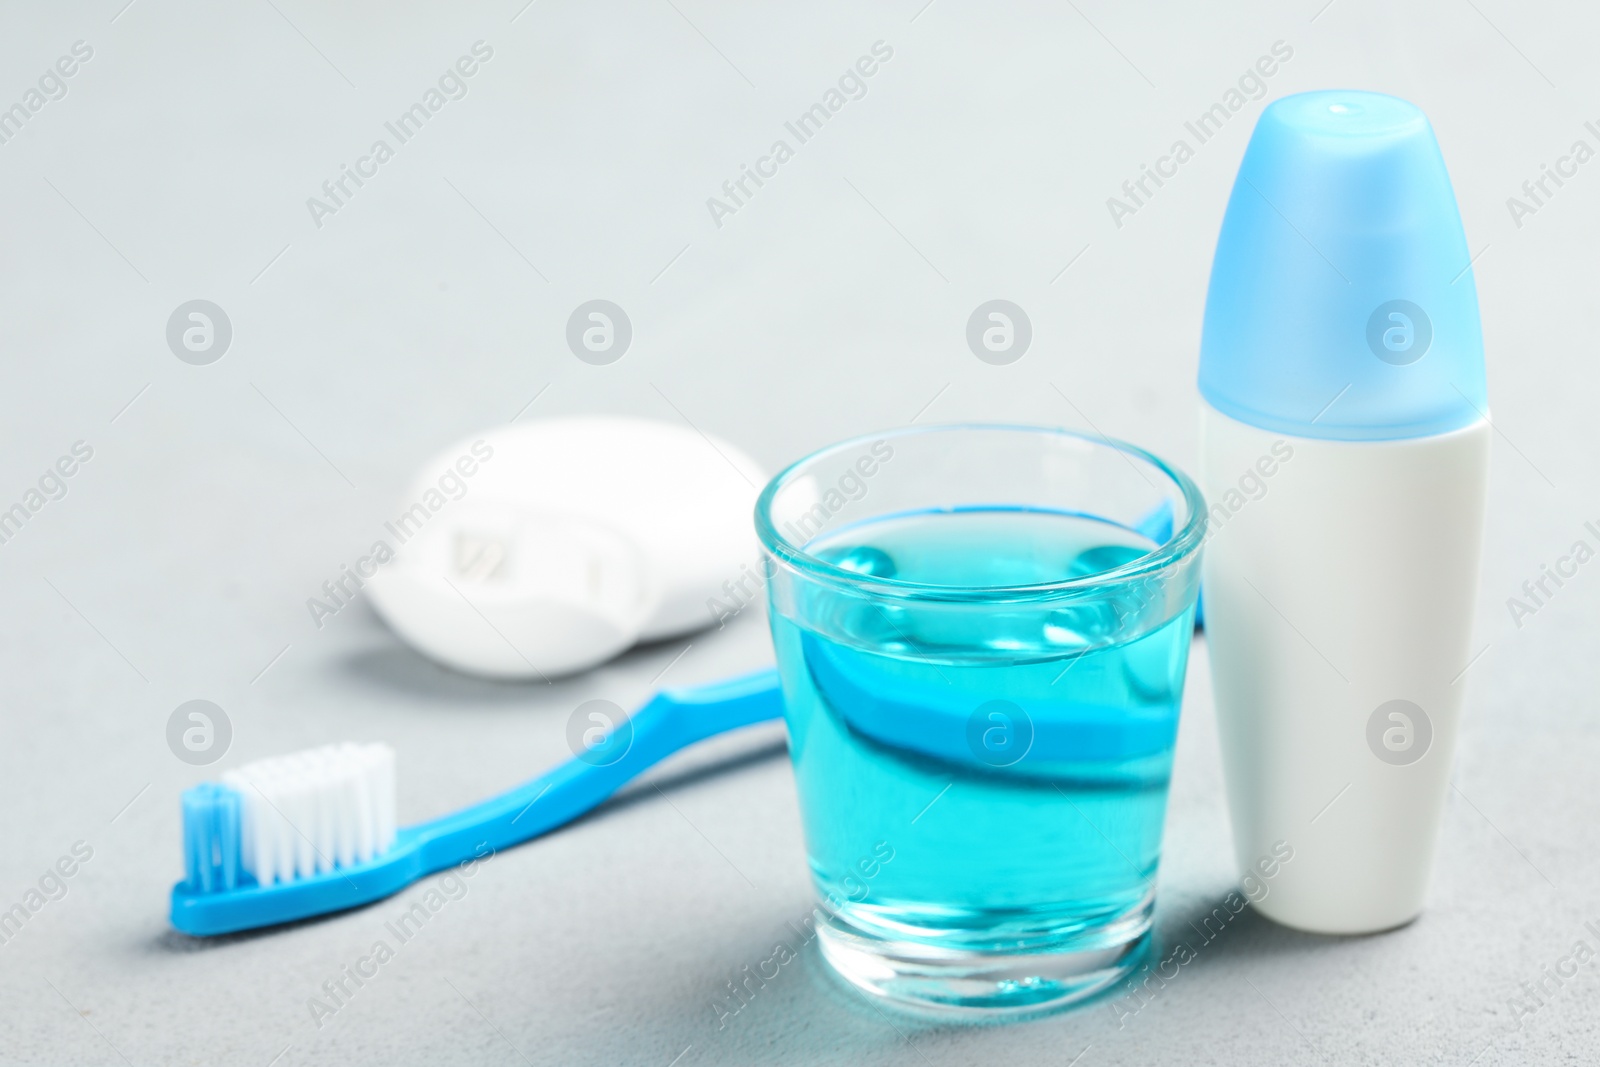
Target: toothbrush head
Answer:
pixel 289 818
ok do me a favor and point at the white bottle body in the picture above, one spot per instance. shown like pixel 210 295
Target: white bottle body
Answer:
pixel 1344 581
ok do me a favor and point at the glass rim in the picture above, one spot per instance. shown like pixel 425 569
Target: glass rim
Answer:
pixel 1182 544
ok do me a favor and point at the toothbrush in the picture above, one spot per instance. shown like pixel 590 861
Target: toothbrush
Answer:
pixel 1345 445
pixel 297 836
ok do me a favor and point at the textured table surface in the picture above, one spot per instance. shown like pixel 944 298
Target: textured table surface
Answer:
pixel 176 163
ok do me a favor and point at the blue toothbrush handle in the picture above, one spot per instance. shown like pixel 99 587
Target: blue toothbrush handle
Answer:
pixel 672 720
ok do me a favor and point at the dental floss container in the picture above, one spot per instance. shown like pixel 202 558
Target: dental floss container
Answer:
pixel 1345 443
pixel 570 540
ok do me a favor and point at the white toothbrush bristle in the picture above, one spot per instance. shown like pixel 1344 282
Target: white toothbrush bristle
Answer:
pixel 315 811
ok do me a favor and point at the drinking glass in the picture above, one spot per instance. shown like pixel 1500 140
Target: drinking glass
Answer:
pixel 982 633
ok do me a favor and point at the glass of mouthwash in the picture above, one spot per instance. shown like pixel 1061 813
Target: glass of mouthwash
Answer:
pixel 982 633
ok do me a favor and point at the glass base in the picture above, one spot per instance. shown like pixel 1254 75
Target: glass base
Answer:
pixel 960 982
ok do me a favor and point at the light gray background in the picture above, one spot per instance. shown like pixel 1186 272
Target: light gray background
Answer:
pixel 835 302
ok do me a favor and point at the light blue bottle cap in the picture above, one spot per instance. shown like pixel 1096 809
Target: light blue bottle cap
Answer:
pixel 1342 302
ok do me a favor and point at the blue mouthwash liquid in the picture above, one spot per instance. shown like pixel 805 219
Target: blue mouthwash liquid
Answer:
pixel 983 776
